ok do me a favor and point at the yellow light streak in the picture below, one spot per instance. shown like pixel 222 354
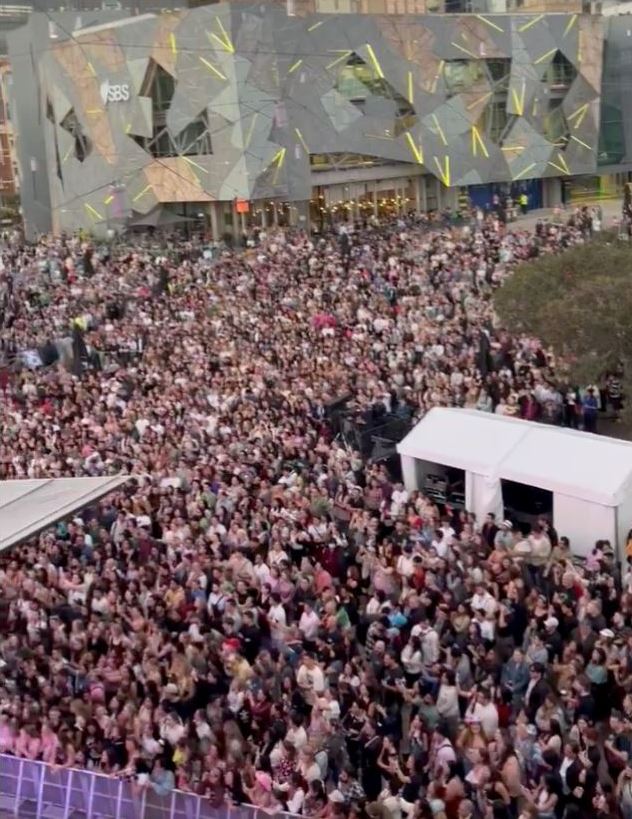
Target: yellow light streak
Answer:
pixel 374 60
pixel 416 150
pixel 525 171
pixel 530 23
pixel 489 22
pixel 212 68
pixel 141 194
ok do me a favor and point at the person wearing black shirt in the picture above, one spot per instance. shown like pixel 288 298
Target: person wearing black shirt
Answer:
pixel 250 637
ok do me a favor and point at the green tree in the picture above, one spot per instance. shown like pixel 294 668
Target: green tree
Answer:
pixel 578 302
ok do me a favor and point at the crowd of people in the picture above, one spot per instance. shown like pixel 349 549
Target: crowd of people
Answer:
pixel 261 615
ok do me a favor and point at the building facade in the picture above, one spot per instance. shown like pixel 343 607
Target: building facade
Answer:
pixel 9 177
pixel 230 109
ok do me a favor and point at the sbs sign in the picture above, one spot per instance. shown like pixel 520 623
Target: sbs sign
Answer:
pixel 114 93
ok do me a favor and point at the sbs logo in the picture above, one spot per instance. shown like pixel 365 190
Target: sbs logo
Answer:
pixel 114 93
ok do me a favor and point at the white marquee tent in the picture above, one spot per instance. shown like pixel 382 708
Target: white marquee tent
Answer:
pixel 28 507
pixel 590 476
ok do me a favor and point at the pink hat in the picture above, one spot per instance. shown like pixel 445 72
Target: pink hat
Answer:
pixel 264 780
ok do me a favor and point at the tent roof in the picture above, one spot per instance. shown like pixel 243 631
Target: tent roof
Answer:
pixel 27 507
pixel 590 467
pixel 465 439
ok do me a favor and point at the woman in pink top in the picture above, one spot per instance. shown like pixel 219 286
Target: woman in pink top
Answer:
pixel 49 744
pixel 28 743
pixel 7 735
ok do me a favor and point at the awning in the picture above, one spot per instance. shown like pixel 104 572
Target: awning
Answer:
pixel 27 507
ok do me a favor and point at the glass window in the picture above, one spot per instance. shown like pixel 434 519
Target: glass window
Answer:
pixel 555 127
pixel 462 74
pixel 560 73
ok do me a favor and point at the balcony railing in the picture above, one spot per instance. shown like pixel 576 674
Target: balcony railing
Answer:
pixel 34 789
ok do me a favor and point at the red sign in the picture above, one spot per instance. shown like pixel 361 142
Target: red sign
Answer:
pixel 242 206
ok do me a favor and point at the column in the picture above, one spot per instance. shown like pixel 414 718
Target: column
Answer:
pixel 301 211
pixel 214 217
pixel 375 199
pixel 264 215
pixel 275 215
pixel 409 473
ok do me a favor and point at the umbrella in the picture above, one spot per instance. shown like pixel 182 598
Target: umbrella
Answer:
pixel 159 216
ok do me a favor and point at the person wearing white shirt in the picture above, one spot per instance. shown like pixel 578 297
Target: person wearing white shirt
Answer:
pixel 396 807
pixel 448 699
pixel 482 599
pixel 412 657
pixel 483 710
pixel 297 734
pixel 405 566
pixel 277 618
pixel 310 679
pixel 262 571
pixel 296 798
pixel 440 544
pixel 309 623
pixel 429 642
pixel 375 605
pixel 399 499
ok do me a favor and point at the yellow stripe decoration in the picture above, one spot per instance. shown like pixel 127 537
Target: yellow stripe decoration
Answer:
pixel 477 142
pixel 342 57
pixel 212 68
pixel 513 148
pixel 67 154
pixel 489 23
pixel 562 160
pixel 531 23
pixel 93 212
pixel 465 50
pixel 94 111
pixel 578 115
pixel 544 57
pixel 411 90
pixel 141 194
pixel 433 87
pixel 315 26
pixel 581 142
pixel 108 199
pixel 374 60
pixel 251 128
pixel 294 66
pixel 518 100
pixel 128 128
pixel 199 167
pixel 444 171
pixel 480 100
pixel 570 24
pixel 439 129
pixel 279 158
pixel 91 69
pixel 172 43
pixel 301 140
pixel 224 40
pixel 416 150
pixel 524 171
pixel 558 168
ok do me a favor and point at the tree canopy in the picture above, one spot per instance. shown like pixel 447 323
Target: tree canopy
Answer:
pixel 578 302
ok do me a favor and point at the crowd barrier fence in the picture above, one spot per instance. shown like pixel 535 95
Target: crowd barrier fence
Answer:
pixel 30 788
